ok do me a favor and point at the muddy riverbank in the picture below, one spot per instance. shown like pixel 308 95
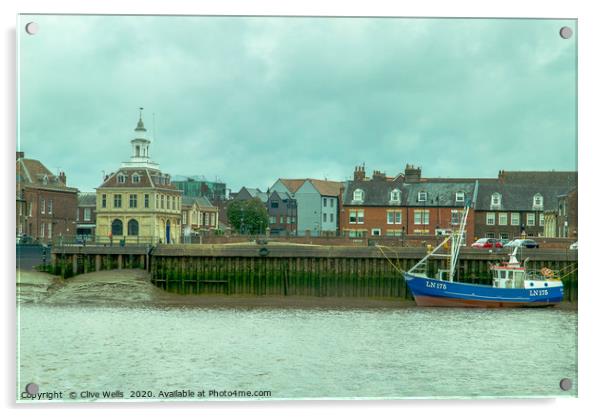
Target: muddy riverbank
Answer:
pixel 133 287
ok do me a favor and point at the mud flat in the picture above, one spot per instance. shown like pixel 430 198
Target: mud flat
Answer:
pixel 132 287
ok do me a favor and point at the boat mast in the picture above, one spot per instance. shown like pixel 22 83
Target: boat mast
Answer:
pixel 456 242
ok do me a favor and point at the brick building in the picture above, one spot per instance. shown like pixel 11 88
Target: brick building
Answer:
pixel 46 206
pixel 405 205
pixel 435 206
pixel 86 216
pixel 372 206
pixel 515 204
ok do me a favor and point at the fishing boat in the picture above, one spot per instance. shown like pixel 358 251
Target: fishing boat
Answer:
pixel 513 284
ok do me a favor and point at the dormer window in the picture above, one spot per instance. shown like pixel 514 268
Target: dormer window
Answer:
pixel 135 178
pixel 121 179
pixel 496 200
pixel 460 197
pixel 537 201
pixel 422 196
pixel 45 179
pixel 358 196
pixel 395 196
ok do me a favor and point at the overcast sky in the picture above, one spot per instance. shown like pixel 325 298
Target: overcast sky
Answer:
pixel 249 100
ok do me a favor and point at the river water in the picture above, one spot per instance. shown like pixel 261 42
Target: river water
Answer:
pixel 72 340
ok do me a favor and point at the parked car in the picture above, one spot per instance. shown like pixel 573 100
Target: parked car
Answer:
pixel 573 246
pixel 504 241
pixel 522 243
pixel 487 243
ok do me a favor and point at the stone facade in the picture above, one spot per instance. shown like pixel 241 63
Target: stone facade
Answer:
pixel 138 203
pixel 199 217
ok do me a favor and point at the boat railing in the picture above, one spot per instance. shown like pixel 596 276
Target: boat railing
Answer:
pixel 542 274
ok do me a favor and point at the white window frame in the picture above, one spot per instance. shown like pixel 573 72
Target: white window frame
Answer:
pixel 358 195
pixel 460 197
pixel 42 229
pixel 360 212
pixel 502 219
pixel 542 219
pixel 121 179
pixel 458 215
pixel 535 198
pixel 376 230
pixel 87 214
pixel 422 196
pixel 422 216
pixel 495 196
pixel 530 219
pixel 135 178
pixel 490 219
pixel 515 219
pixel 43 206
pixel 50 230
pixel 395 196
pixel 390 217
pixel 49 206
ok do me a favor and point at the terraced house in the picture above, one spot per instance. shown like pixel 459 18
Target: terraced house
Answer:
pixel 404 205
pixel 373 206
pixel 317 204
pixel 435 206
pixel 515 204
pixel 46 206
pixel 138 203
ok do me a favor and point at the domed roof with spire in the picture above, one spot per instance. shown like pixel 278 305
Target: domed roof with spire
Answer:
pixel 140 148
pixel 140 127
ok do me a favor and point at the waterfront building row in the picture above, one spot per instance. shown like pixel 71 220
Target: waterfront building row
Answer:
pixel 138 202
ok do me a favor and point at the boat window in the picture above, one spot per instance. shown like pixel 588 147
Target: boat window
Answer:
pixel 510 274
pixel 502 274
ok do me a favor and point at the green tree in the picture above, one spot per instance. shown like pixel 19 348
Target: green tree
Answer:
pixel 248 217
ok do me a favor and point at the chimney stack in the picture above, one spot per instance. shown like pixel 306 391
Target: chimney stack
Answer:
pixel 412 173
pixel 63 177
pixel 379 176
pixel 359 174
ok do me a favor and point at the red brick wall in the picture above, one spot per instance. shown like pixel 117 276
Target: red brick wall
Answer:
pixel 62 218
pixel 438 217
pixel 374 218
pixel 482 228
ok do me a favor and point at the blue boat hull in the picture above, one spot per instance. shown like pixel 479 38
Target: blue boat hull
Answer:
pixel 430 292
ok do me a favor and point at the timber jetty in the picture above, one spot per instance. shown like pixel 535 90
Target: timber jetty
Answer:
pixel 265 269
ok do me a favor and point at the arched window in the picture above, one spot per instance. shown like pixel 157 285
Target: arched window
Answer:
pixel 117 227
pixel 358 195
pixel 133 227
pixel 395 196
